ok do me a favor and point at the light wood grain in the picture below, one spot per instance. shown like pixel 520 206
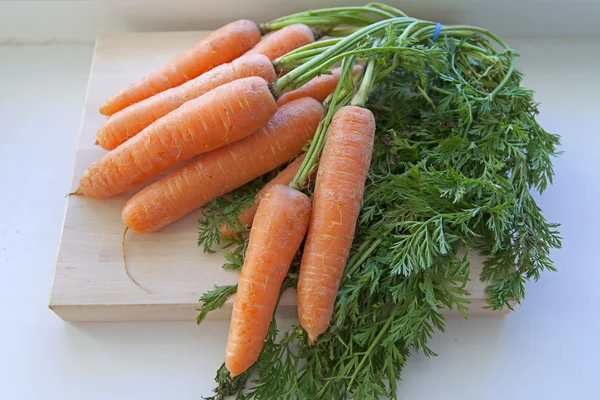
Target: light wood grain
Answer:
pixel 89 282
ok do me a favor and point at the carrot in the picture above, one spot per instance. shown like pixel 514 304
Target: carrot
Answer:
pixel 246 216
pixel 223 45
pixel 318 88
pixel 279 227
pixel 337 197
pixel 221 116
pixel 283 41
pixel 220 171
pixel 130 121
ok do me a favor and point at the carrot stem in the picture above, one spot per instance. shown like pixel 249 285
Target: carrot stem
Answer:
pixel 341 19
pixel 360 98
pixel 388 9
pixel 315 65
pixel 427 98
pixel 413 30
pixel 375 342
pixel 330 14
pixel 341 32
pixel 298 55
pixel 339 99
pixel 315 45
pixel 361 255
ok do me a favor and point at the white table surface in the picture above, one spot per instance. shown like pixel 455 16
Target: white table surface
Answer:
pixel 547 349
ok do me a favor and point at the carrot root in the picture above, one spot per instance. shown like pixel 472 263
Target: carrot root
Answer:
pixel 75 193
pixel 337 197
pixel 125 263
pixel 280 225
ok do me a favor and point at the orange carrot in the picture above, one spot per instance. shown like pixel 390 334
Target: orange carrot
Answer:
pixel 223 45
pixel 279 227
pixel 337 197
pixel 221 116
pixel 132 120
pixel 224 169
pixel 283 41
pixel 246 216
pixel 318 88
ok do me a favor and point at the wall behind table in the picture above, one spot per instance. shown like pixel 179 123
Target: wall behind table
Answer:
pixel 80 21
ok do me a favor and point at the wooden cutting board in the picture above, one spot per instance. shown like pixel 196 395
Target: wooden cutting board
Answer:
pixel 90 283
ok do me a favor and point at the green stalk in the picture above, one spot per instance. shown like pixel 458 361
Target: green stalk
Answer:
pixel 316 147
pixel 427 98
pixel 310 69
pixel 408 30
pixel 299 55
pixel 362 53
pixel 291 60
pixel 389 9
pixel 380 10
pixel 343 50
pixel 335 20
pixel 494 37
pixel 314 45
pixel 361 255
pixel 357 254
pixel 426 31
pixel 360 98
pixel 323 59
pixel 375 342
pixel 339 99
pixel 341 32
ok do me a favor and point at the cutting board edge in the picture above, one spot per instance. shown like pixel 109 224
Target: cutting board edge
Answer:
pixel 189 312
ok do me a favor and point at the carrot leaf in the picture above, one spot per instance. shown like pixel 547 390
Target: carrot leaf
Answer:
pixel 214 299
pixel 225 210
pixel 457 159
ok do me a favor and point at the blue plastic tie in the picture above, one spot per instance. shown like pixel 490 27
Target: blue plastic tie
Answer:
pixel 438 30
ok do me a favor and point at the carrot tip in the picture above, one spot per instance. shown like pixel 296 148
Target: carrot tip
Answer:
pixel 75 193
pixel 313 338
pixel 104 110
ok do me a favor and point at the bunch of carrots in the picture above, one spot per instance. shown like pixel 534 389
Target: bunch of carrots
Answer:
pixel 214 101
pixel 245 101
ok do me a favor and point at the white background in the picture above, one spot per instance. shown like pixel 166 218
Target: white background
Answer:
pixel 77 21
pixel 547 349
